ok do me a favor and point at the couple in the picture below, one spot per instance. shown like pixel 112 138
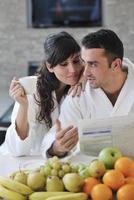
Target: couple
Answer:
pixel 108 93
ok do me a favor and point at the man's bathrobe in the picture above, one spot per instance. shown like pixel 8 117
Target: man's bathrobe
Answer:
pixel 94 104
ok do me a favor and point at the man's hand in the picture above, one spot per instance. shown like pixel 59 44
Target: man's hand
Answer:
pixel 65 140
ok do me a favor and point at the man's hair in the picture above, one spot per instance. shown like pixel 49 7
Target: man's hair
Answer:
pixel 105 39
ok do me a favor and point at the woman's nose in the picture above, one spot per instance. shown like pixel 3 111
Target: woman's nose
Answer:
pixel 72 68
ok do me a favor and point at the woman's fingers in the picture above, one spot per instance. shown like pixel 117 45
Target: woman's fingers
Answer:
pixel 58 125
pixel 60 134
pixel 72 133
pixel 14 82
pixel 75 90
pixel 83 83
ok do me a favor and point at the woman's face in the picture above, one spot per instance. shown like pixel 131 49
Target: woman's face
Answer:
pixel 68 72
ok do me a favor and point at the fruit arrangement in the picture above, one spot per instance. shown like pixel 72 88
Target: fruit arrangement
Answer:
pixel 108 177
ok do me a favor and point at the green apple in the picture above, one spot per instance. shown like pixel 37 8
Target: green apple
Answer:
pixel 84 173
pixel 109 155
pixel 97 168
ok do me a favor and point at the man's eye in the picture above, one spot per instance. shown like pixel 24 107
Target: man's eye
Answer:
pixel 93 64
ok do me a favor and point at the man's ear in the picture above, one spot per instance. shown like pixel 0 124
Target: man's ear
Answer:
pixel 49 68
pixel 116 64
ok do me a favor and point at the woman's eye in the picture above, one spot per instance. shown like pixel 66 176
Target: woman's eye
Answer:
pixel 63 64
pixel 76 61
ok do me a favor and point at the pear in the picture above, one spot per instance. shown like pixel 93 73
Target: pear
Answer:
pixel 21 177
pixel 73 182
pixel 36 181
pixel 54 184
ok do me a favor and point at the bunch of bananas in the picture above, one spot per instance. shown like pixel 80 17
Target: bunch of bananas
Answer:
pixel 13 190
pixel 57 196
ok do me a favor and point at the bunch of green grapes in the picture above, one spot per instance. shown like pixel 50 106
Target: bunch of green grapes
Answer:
pixel 55 167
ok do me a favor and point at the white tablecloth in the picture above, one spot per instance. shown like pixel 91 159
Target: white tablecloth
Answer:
pixel 10 164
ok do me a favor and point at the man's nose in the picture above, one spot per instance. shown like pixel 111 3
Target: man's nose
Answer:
pixel 86 70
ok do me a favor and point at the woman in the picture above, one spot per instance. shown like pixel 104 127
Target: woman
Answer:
pixel 34 114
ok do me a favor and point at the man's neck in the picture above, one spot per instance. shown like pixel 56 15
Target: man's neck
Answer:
pixel 116 88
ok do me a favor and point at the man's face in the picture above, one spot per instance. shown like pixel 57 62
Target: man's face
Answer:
pixel 97 69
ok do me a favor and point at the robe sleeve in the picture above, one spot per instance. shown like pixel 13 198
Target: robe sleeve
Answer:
pixel 13 144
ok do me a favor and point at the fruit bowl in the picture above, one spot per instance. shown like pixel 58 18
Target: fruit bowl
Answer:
pixel 31 164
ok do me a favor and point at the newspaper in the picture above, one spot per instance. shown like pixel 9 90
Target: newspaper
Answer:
pixel 95 134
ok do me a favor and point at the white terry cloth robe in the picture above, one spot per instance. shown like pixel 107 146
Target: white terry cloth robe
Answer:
pixel 93 103
pixel 13 145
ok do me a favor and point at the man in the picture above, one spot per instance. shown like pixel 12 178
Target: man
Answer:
pixel 109 91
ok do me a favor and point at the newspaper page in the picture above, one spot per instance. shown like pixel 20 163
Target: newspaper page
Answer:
pixel 96 134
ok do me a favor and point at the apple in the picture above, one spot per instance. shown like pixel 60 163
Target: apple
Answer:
pixel 97 168
pixel 36 181
pixel 73 182
pixel 84 173
pixel 109 155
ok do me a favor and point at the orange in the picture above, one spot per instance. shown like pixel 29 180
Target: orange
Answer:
pixel 114 179
pixel 101 192
pixel 89 183
pixel 125 165
pixel 126 192
pixel 129 179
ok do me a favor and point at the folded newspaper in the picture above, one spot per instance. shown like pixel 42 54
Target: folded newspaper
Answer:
pixel 95 134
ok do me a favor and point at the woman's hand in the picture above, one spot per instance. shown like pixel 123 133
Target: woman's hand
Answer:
pixel 65 140
pixel 80 86
pixel 17 92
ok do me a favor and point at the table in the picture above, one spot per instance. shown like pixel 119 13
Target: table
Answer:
pixel 10 164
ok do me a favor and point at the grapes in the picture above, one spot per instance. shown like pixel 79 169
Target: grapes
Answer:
pixel 61 173
pixel 47 170
pixel 54 172
pixel 66 168
pixel 56 167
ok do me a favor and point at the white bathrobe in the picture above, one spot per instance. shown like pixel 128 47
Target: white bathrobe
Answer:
pixel 93 103
pixel 13 145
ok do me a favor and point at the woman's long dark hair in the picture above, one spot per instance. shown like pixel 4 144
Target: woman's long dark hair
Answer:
pixel 57 48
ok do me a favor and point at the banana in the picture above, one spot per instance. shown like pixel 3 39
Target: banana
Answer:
pixel 15 186
pixel 45 195
pixel 74 196
pixel 10 195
